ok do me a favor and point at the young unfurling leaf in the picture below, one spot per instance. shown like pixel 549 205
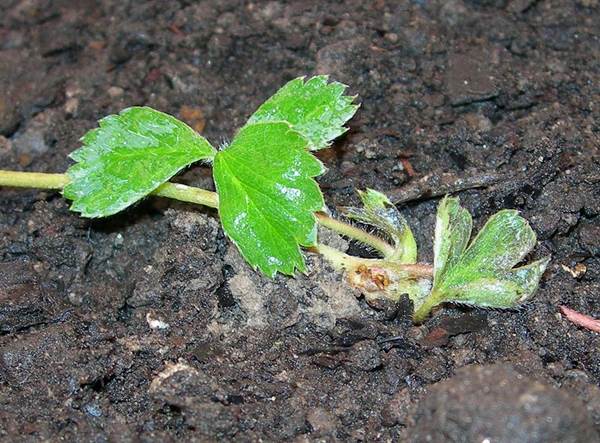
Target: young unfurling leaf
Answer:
pixel 316 109
pixel 380 212
pixel 482 274
pixel 128 157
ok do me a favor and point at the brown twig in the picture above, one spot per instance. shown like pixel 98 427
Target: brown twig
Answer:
pixel 438 185
pixel 585 321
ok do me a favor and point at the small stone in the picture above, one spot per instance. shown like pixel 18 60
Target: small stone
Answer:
pixel 93 410
pixel 75 298
pixel 71 105
pixel 392 37
pixel 115 91
pixel 24 160
pixel 72 90
pixel 118 241
pixel 478 122
pixel 32 141
pixel 156 323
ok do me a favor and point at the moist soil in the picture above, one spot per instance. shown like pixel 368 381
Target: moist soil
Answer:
pixel 148 326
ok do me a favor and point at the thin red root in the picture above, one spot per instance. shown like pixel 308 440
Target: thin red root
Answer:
pixel 585 321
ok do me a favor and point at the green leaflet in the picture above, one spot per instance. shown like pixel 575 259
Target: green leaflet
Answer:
pixel 380 212
pixel 482 274
pixel 452 232
pixel 267 195
pixel 314 108
pixel 128 157
pixel 505 291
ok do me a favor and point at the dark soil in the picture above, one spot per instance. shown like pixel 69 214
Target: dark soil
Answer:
pixel 495 100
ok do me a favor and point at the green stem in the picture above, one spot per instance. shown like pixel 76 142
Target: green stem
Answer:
pixel 199 196
pixel 33 180
pixel 343 261
pixel 357 234
pixel 59 181
pixel 188 194
pixel 423 311
pixel 338 259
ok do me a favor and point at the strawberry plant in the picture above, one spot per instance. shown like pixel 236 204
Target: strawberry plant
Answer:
pixel 270 205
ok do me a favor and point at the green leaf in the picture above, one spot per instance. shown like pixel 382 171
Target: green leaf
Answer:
pixel 483 274
pixel 267 196
pixel 452 232
pixel 128 157
pixel 380 212
pixel 507 290
pixel 314 108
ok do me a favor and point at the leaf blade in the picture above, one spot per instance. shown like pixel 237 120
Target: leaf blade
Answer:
pixel 452 232
pixel 127 157
pixel 506 291
pixel 316 109
pixel 268 196
pixel 507 229
pixel 380 212
pixel 504 240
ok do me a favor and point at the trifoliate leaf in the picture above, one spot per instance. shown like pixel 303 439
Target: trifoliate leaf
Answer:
pixel 315 109
pixel 380 212
pixel 483 273
pixel 128 157
pixel 267 196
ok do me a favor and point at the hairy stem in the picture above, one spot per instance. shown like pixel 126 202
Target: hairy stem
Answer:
pixel 342 261
pixel 188 194
pixel 429 303
pixel 355 233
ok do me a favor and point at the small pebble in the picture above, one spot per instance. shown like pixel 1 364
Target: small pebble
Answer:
pixel 156 323
pixel 115 91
